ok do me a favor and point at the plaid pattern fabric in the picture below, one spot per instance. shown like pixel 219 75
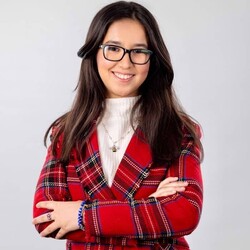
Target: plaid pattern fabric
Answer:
pixel 123 215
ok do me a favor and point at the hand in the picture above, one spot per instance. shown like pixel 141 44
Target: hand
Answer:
pixel 63 216
pixel 169 186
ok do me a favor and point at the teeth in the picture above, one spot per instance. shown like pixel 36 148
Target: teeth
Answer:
pixel 122 76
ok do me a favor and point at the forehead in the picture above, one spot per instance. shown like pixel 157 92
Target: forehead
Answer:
pixel 126 31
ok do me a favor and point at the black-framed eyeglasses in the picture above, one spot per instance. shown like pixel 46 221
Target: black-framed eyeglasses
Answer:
pixel 115 53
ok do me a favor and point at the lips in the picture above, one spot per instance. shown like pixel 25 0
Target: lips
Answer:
pixel 123 76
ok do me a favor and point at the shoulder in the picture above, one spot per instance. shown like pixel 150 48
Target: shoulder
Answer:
pixel 55 136
pixel 191 141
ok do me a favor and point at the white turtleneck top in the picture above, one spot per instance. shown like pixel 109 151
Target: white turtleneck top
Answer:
pixel 114 124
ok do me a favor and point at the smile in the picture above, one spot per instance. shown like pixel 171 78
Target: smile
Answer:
pixel 123 76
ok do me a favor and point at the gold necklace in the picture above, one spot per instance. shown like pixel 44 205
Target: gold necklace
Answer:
pixel 114 147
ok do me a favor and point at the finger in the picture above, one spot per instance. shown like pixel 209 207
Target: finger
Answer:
pixel 46 204
pixel 43 218
pixel 38 219
pixel 171 189
pixel 60 234
pixel 161 194
pixel 175 184
pixel 49 229
pixel 167 191
pixel 168 180
pixel 49 216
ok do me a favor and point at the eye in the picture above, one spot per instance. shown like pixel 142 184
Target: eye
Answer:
pixel 140 51
pixel 113 48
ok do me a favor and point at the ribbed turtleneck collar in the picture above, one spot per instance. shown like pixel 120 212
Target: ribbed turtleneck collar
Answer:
pixel 119 107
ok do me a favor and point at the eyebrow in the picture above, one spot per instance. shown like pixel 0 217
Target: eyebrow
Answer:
pixel 135 45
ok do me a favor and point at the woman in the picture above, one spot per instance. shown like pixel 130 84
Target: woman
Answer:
pixel 123 167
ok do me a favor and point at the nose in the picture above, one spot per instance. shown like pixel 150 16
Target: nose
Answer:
pixel 126 62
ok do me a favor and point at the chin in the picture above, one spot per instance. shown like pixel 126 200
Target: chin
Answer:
pixel 121 95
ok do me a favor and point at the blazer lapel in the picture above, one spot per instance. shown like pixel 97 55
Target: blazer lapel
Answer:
pixel 90 172
pixel 133 169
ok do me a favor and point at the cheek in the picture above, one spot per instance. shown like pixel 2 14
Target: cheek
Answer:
pixel 103 65
pixel 144 71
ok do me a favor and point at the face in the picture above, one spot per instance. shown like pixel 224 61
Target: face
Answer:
pixel 123 78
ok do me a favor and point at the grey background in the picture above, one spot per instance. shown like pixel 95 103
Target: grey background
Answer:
pixel 209 44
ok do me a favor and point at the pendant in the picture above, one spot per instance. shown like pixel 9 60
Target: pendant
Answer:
pixel 114 148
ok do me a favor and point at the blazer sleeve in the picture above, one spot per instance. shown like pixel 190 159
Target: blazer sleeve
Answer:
pixel 151 218
pixel 51 185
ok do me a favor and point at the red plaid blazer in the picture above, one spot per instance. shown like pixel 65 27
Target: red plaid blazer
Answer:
pixel 122 216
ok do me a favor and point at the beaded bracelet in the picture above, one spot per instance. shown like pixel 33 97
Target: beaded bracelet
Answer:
pixel 80 217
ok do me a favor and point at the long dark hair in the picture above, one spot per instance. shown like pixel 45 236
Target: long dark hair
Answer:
pixel 161 118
